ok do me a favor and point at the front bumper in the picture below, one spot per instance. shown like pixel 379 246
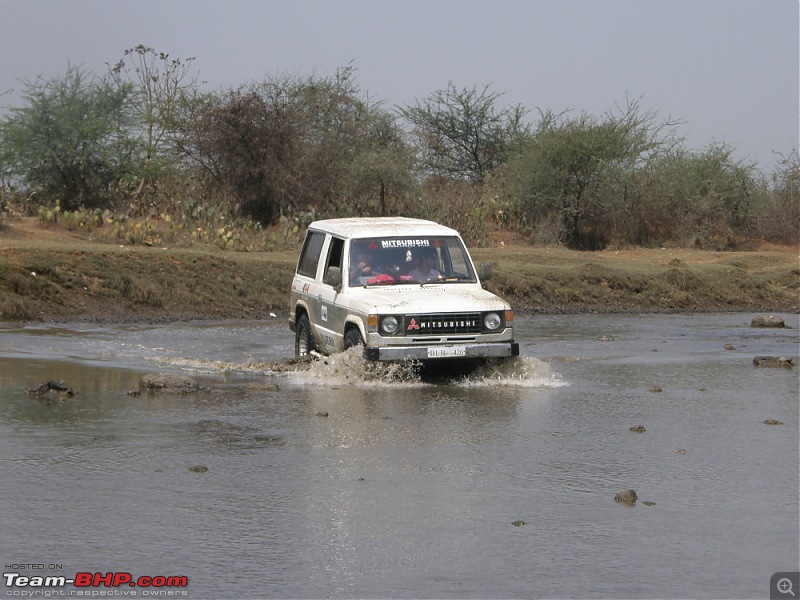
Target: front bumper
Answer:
pixel 443 352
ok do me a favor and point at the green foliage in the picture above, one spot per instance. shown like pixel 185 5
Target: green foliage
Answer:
pixel 456 204
pixel 81 219
pixel 461 134
pixel 776 215
pixel 160 88
pixel 142 157
pixel 377 173
pixel 69 142
pixel 579 169
pixel 693 196
pixel 5 204
pixel 295 143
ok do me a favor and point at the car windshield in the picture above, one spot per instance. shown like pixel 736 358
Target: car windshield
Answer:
pixel 412 259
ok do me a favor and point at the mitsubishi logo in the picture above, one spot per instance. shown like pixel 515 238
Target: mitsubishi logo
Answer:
pixel 412 325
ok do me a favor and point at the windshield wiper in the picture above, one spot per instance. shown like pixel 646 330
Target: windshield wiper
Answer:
pixel 383 282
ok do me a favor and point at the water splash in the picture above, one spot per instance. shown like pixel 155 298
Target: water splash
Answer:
pixel 249 367
pixel 351 368
pixel 518 371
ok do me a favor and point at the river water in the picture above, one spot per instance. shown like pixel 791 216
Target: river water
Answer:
pixel 346 480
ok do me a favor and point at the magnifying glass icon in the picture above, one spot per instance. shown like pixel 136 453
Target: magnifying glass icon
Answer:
pixel 784 586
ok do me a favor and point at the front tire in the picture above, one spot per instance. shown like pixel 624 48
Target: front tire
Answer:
pixel 303 340
pixel 353 338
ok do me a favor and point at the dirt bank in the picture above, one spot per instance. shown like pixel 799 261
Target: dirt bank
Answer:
pixel 50 274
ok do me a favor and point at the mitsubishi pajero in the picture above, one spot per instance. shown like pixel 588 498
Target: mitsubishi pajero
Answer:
pixel 402 288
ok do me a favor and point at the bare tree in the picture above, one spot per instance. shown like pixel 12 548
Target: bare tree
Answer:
pixel 160 84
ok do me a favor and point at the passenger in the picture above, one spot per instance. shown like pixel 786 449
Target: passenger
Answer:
pixel 424 271
pixel 361 267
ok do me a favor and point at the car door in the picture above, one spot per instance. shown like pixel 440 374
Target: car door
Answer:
pixel 331 316
pixel 305 284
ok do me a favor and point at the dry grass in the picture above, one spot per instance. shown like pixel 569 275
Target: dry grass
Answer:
pixel 560 280
pixel 48 273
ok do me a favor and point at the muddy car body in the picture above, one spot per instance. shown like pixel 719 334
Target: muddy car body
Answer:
pixel 402 288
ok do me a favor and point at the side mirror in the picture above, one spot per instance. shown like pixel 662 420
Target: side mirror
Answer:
pixel 485 271
pixel 333 277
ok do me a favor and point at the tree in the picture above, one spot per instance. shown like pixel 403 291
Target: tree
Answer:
pixel 289 144
pixel 580 168
pixel 780 212
pixel 699 194
pixel 69 142
pixel 461 134
pixel 380 167
pixel 158 86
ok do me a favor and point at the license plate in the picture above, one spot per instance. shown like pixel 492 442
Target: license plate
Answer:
pixel 447 351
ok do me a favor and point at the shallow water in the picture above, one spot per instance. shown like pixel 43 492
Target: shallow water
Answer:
pixel 498 485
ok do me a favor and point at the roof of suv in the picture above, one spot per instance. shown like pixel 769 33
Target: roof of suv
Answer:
pixel 359 227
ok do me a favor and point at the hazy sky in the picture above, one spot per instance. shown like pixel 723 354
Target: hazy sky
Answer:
pixel 728 68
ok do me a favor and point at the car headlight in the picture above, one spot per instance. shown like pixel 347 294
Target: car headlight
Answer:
pixel 492 321
pixel 389 325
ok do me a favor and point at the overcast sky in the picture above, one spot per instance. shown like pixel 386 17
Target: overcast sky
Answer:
pixel 728 68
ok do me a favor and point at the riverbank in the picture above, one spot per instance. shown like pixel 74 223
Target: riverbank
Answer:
pixel 50 274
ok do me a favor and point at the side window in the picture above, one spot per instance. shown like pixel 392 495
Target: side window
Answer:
pixel 335 251
pixel 458 260
pixel 309 257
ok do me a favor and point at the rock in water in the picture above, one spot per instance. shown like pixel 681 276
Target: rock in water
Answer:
pixel 773 361
pixel 626 497
pixel 60 387
pixel 767 321
pixel 169 383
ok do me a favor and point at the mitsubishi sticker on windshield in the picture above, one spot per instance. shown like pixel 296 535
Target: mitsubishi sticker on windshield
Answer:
pixel 409 243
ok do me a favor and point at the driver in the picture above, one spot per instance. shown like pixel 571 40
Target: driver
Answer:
pixel 424 271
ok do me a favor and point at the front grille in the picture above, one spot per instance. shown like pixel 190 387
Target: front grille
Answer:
pixel 443 323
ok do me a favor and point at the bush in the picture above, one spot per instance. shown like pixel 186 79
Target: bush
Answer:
pixel 69 141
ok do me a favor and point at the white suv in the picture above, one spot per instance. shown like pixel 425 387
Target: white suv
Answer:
pixel 402 288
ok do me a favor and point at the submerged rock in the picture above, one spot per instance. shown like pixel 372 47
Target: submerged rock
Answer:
pixel 773 361
pixel 50 387
pixel 626 497
pixel 638 429
pixel 767 321
pixel 773 422
pixel 169 383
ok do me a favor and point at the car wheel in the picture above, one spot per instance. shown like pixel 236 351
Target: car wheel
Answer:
pixel 353 338
pixel 303 342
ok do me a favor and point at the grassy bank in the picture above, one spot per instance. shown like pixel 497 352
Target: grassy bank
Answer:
pixel 652 280
pixel 50 274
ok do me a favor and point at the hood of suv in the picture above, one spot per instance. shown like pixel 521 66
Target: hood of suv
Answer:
pixel 429 298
